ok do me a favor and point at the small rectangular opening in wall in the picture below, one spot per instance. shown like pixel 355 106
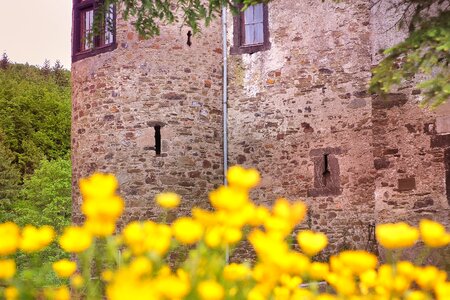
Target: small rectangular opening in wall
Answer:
pixel 158 139
pixel 326 172
pixel 447 173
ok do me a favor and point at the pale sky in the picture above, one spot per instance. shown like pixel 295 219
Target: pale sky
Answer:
pixel 34 30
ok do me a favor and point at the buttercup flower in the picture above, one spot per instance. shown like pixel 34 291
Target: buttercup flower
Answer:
pixel 237 176
pixel 210 290
pixel 64 268
pixel 187 231
pixel 76 281
pixel 35 239
pixel 7 268
pixel 236 272
pixel 311 243
pixel 60 293
pixel 9 237
pixel 433 234
pixel 168 200
pixel 358 261
pixel 396 236
pixel 228 198
pixel 75 239
pixel 98 186
pixel 11 293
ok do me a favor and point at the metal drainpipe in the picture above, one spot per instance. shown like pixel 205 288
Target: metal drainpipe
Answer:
pixel 225 103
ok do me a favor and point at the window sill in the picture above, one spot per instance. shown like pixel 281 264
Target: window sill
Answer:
pixel 92 52
pixel 249 49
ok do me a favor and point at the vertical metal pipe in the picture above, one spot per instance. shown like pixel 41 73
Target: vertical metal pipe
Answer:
pixel 225 103
pixel 225 93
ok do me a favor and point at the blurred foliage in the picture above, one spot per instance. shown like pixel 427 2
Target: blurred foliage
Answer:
pixel 426 51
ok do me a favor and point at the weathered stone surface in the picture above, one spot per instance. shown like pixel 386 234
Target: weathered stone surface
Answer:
pixel 407 184
pixel 288 107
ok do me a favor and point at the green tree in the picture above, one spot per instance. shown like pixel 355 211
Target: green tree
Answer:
pixel 45 198
pixel 424 51
pixel 35 114
pixel 9 182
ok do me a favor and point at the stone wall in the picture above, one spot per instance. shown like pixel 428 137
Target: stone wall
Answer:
pixel 408 141
pixel 303 99
pixel 298 112
pixel 121 96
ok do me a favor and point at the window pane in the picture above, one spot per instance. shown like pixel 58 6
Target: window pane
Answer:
pixel 248 15
pixel 87 20
pixel 109 25
pixel 249 34
pixel 258 13
pixel 259 33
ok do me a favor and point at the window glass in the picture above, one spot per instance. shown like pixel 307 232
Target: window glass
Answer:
pixel 253 22
pixel 109 25
pixel 87 22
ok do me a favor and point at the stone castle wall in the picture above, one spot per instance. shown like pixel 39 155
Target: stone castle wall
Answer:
pixel 299 112
pixel 120 97
pixel 302 99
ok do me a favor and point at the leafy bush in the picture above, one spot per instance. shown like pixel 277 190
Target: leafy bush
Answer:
pixel 133 264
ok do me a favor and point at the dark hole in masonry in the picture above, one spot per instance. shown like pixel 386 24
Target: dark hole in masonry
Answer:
pixel 189 34
pixel 158 140
pixel 447 172
pixel 326 169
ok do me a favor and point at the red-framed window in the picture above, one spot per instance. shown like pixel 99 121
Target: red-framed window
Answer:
pixel 251 30
pixel 87 39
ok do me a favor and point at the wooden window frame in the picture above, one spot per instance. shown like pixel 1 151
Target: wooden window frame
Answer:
pixel 239 34
pixel 77 54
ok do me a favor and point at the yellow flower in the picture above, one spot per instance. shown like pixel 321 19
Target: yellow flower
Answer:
pixel 358 261
pixel 103 209
pixel 7 268
pixel 237 176
pixel 173 287
pixel 64 268
pixel 98 186
pixel 35 239
pixel 318 270
pixel 187 231
pixel 236 272
pixel 168 200
pixel 406 269
pixel 141 266
pixel 100 228
pixel 75 239
pixel 396 236
pixel 210 290
pixel 60 293
pixel 77 281
pixel 228 198
pixel 11 293
pixel 417 295
pixel 427 277
pixel 311 243
pixel 147 237
pixel 442 290
pixel 107 275
pixel 433 234
pixel 9 237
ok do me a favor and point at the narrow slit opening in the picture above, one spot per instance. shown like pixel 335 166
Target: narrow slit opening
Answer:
pixel 158 140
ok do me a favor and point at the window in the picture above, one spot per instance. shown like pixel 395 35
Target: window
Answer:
pixel 88 40
pixel 251 30
pixel 326 172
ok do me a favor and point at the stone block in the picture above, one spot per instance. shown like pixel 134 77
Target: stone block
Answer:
pixel 443 124
pixel 406 184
